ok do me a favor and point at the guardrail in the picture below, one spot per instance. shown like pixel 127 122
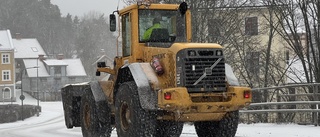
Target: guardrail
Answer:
pixel 283 110
pixel 296 101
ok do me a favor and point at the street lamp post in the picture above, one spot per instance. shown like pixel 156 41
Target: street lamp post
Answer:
pixel 38 105
pixel 22 97
pixel 3 95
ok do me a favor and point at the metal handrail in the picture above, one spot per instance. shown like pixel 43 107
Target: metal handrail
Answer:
pixel 306 94
pixel 286 86
pixel 284 103
pixel 313 108
pixel 279 110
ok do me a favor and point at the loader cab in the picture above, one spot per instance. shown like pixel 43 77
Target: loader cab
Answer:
pixel 134 21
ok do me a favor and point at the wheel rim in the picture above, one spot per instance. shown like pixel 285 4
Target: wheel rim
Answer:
pixel 87 116
pixel 125 116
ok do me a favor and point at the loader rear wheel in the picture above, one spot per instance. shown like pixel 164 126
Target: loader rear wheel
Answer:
pixel 68 119
pixel 131 119
pixel 226 127
pixel 90 123
pixel 67 105
pixel 169 128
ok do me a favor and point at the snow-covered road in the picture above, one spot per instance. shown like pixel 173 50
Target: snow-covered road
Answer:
pixel 51 124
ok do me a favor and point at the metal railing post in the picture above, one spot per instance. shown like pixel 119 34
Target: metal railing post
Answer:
pixel 315 87
pixel 279 116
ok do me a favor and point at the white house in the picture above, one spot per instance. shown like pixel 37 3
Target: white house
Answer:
pixel 41 75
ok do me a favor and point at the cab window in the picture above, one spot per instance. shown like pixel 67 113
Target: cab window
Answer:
pixel 126 35
pixel 167 26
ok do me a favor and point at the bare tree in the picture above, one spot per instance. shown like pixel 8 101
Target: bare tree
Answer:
pixel 300 29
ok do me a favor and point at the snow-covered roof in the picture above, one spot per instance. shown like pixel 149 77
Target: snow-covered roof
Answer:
pixel 5 40
pixel 27 48
pixel 103 58
pixel 75 67
pixel 55 62
pixel 32 72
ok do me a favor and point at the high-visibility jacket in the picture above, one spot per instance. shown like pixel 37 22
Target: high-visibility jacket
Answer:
pixel 147 33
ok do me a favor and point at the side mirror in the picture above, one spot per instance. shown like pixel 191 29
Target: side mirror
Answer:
pixel 113 22
pixel 183 7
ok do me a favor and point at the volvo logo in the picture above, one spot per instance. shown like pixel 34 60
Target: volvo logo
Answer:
pixel 207 71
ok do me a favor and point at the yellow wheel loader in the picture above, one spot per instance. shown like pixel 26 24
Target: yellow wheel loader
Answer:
pixel 157 84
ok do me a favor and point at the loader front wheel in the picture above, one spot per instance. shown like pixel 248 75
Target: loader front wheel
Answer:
pixel 226 127
pixel 131 119
pixel 169 128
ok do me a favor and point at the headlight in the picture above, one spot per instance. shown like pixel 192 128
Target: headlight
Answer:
pixel 219 53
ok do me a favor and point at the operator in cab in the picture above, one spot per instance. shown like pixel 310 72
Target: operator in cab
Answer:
pixel 148 32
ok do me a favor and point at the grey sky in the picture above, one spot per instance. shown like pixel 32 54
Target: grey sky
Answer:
pixel 80 7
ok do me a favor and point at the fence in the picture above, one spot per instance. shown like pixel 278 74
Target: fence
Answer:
pixel 295 103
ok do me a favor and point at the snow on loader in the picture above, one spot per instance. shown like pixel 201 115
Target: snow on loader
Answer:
pixel 158 82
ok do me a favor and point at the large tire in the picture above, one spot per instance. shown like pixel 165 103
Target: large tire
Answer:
pixel 226 127
pixel 105 119
pixel 131 119
pixel 68 119
pixel 91 126
pixel 169 128
pixel 67 106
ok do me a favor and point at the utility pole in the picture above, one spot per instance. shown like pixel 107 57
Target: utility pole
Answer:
pixel 22 97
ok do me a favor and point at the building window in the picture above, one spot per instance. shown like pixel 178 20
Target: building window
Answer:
pixel 57 70
pixel 34 49
pixel 5 58
pixel 72 79
pixel 6 75
pixel 6 93
pixel 43 80
pixel 252 60
pixel 251 26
